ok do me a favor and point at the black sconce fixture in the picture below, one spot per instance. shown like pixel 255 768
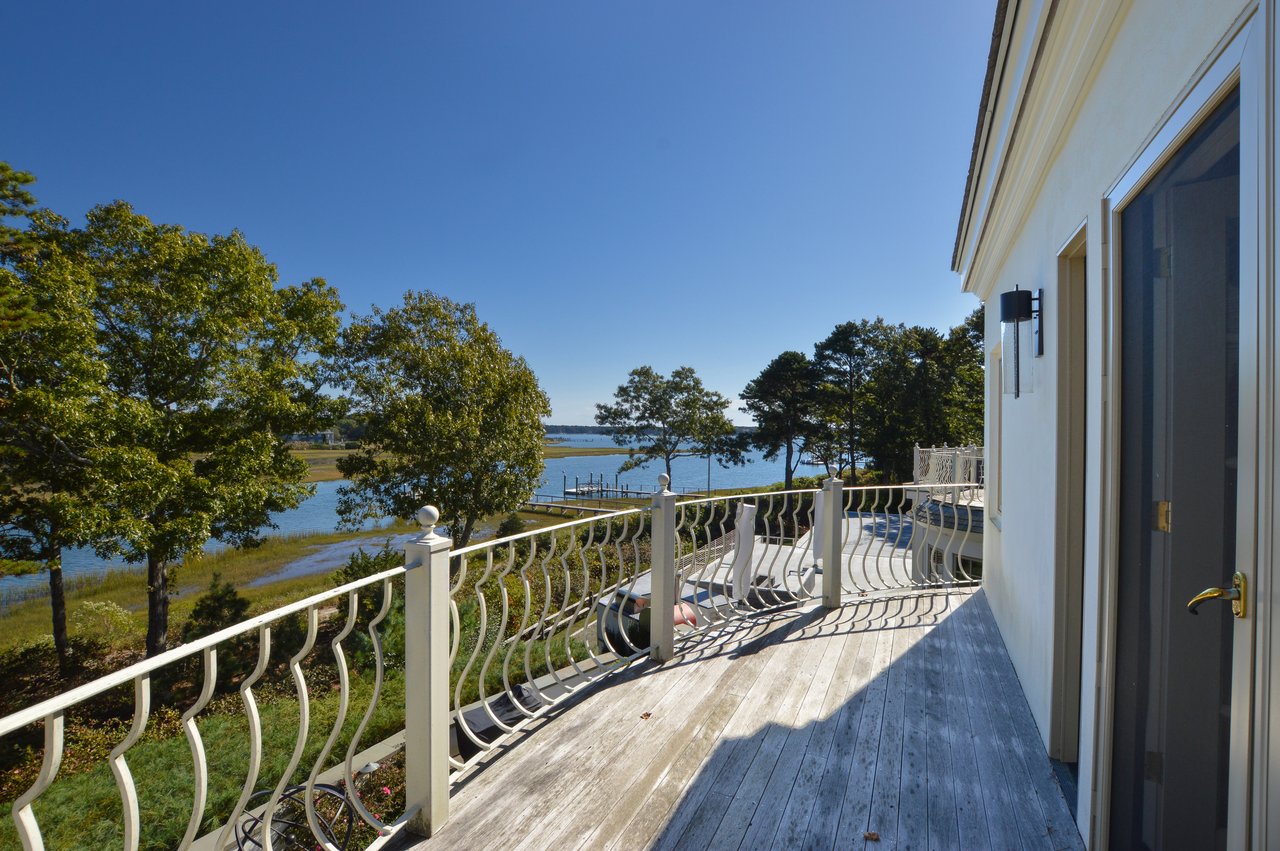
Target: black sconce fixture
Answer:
pixel 1021 306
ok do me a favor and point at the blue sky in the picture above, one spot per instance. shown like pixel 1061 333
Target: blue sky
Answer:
pixel 613 184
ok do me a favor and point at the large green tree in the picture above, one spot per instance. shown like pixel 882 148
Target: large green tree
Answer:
pixel 55 419
pixel 451 417
pixel 965 355
pixel 782 400
pixel 845 361
pixel 209 363
pixel 660 419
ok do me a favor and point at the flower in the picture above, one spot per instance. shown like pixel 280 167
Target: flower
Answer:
pixel 386 790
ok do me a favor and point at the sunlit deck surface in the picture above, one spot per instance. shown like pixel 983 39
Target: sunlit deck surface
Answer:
pixel 899 717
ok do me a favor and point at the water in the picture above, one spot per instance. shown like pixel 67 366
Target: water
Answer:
pixel 319 513
pixel 687 473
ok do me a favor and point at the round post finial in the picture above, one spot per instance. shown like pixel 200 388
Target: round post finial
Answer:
pixel 663 481
pixel 832 470
pixel 427 516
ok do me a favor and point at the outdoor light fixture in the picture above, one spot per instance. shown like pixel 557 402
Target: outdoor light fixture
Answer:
pixel 1017 307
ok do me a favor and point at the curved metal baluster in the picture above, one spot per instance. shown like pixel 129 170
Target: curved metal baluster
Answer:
pixel 715 532
pixel 521 635
pixel 255 734
pixel 478 589
pixel 688 518
pixel 539 632
pixel 881 539
pixel 769 556
pixel 906 526
pixel 209 657
pixel 766 558
pixel 120 768
pixel 304 724
pixel 621 592
pixel 498 640
pixel 24 817
pixel 853 526
pixel 564 603
pixel 344 700
pixel 637 567
pixel 962 572
pixel 591 599
pixel 379 667
pixel 569 614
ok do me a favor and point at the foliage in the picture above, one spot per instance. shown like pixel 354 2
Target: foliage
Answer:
pixel 205 362
pixel 101 622
pixel 452 418
pixel 510 525
pixel 845 362
pixel 56 416
pixel 220 607
pixel 965 354
pixel 783 401
pixel 885 389
pixel 661 419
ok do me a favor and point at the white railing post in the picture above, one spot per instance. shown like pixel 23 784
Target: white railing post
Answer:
pixel 833 535
pixel 426 686
pixel 662 574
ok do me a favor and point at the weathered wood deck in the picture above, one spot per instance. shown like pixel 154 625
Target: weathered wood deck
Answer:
pixel 807 729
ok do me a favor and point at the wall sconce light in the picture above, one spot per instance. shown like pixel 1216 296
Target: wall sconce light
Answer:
pixel 1022 306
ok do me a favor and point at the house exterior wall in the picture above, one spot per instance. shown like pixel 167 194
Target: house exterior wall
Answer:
pixel 1106 99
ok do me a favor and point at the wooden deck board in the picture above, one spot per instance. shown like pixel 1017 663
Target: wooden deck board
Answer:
pixel 807 729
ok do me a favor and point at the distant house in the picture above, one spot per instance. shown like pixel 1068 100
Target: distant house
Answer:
pixel 328 438
pixel 1120 216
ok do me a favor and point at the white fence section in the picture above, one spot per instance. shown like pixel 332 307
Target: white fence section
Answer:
pixel 949 465
pixel 473 644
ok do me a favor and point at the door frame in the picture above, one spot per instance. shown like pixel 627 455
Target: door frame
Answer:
pixel 1069 531
pixel 1239 59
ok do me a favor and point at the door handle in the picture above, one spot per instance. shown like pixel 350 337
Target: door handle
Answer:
pixel 1236 594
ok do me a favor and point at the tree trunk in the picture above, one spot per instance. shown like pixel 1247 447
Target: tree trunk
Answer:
pixel 157 606
pixel 58 603
pixel 786 475
pixel 670 479
pixel 462 539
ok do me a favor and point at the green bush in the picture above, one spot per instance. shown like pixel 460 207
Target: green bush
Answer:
pixel 510 525
pixel 101 622
pixel 218 608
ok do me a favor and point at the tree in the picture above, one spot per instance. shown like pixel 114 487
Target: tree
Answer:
pixel 904 400
pixel 661 419
pixel 782 400
pixel 209 363
pixel 452 417
pixel 55 418
pixel 965 355
pixel 845 361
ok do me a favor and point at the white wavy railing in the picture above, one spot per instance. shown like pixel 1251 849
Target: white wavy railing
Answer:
pixel 521 625
pixel 948 464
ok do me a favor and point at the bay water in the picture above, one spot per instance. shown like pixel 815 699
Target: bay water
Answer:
pixel 319 513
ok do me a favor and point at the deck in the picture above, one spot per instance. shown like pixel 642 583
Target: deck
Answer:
pixel 889 723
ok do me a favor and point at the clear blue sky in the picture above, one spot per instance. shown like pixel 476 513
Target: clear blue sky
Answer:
pixel 612 183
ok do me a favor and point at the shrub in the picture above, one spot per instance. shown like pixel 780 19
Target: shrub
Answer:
pixel 510 525
pixel 101 622
pixel 218 608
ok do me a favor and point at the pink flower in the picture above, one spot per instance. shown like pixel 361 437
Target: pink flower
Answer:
pixel 386 790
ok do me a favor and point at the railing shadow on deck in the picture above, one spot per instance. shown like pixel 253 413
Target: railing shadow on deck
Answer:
pixel 935 749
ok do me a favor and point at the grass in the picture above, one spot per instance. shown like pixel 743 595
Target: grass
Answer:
pixel 27 621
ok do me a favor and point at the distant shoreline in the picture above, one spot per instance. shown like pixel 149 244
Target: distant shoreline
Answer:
pixel 322 464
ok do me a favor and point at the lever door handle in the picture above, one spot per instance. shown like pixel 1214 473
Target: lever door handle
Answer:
pixel 1236 594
